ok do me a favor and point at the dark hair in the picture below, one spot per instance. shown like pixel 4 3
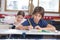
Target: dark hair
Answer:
pixel 21 13
pixel 40 10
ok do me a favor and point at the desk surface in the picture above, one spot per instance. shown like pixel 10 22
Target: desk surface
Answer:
pixel 28 32
pixel 56 19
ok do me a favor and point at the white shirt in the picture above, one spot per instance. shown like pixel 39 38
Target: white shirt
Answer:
pixel 11 20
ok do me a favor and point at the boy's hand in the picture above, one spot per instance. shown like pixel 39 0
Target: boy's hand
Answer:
pixel 38 27
pixel 30 27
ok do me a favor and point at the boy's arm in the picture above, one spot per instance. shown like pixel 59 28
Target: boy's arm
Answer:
pixel 49 27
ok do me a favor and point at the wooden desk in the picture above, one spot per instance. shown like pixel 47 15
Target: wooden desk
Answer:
pixel 27 32
pixel 56 19
pixel 14 31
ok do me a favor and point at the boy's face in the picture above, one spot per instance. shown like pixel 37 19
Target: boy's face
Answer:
pixel 37 16
pixel 19 17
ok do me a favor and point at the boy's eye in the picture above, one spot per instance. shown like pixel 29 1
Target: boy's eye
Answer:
pixel 38 15
pixel 18 17
pixel 21 18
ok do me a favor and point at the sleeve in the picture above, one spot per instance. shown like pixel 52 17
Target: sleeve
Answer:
pixel 26 23
pixel 9 19
pixel 23 20
pixel 44 23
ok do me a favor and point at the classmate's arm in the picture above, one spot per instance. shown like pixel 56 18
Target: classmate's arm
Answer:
pixel 49 27
pixel 21 27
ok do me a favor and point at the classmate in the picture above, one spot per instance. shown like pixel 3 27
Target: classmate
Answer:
pixel 15 20
pixel 37 22
pixel 19 19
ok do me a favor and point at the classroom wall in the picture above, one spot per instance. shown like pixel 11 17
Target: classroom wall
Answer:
pixel 9 12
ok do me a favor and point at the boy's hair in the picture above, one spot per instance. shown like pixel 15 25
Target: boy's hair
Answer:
pixel 39 10
pixel 21 13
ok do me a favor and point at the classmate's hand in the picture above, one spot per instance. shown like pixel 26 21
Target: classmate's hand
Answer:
pixel 38 27
pixel 15 22
pixel 30 27
pixel 20 27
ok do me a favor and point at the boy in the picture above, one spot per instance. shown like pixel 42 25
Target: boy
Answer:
pixel 36 22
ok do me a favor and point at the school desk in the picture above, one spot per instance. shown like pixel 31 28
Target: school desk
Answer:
pixel 28 32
